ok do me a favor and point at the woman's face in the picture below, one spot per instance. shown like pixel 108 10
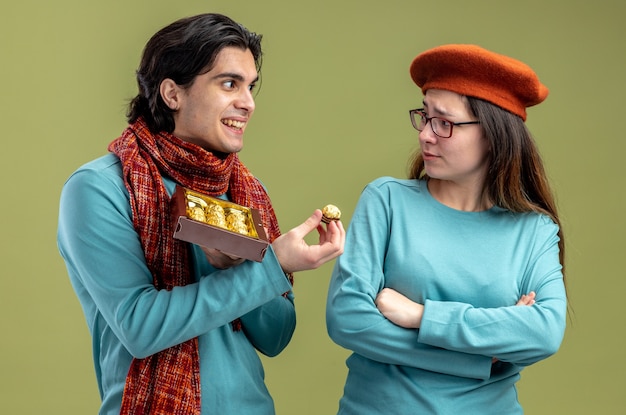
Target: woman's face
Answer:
pixel 461 158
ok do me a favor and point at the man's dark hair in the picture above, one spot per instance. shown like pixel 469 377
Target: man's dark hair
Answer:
pixel 181 51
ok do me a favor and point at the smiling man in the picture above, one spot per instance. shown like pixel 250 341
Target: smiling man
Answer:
pixel 213 112
pixel 176 326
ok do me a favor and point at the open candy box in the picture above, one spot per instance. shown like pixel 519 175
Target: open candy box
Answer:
pixel 220 224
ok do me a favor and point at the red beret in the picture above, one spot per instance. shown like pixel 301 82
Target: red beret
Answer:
pixel 473 71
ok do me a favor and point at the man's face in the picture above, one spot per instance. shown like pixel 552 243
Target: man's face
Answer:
pixel 213 113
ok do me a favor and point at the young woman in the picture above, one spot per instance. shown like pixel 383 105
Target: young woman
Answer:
pixel 452 281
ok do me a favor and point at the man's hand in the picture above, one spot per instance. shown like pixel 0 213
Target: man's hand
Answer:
pixel 219 259
pixel 294 254
pixel 399 309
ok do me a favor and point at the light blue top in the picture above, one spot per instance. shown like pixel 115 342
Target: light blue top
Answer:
pixel 468 269
pixel 128 317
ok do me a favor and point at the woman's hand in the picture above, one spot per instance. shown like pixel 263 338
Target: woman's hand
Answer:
pixel 399 309
pixel 294 254
pixel 406 313
pixel 527 299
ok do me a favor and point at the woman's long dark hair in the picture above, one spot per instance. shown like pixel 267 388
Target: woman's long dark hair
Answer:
pixel 181 51
pixel 516 179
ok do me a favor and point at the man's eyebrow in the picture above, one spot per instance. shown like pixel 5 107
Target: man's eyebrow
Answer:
pixel 233 75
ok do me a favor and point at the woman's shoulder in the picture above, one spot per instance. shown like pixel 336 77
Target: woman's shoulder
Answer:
pixel 388 182
pixel 534 223
pixel 390 191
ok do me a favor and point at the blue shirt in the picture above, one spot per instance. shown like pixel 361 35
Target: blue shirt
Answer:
pixel 468 269
pixel 127 317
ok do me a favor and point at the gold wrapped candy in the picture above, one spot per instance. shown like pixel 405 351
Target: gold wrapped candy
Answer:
pixel 196 213
pixel 216 215
pixel 330 213
pixel 219 213
pixel 236 222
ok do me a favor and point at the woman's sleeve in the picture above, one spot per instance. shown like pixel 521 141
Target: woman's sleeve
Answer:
pixel 352 318
pixel 517 334
pixel 105 260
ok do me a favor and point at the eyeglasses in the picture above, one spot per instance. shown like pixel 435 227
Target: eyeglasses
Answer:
pixel 440 126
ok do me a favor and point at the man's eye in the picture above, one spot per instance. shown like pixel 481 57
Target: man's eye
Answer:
pixel 252 87
pixel 229 84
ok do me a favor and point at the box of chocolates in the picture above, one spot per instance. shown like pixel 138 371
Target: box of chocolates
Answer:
pixel 216 223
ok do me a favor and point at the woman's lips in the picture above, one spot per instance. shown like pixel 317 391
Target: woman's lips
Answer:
pixel 429 156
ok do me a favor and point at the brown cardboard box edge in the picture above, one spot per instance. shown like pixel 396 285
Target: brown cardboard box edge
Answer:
pixel 209 236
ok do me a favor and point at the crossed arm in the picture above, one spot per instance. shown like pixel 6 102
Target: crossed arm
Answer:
pixel 406 313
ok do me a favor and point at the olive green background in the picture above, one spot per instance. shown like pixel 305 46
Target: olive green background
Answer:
pixel 331 116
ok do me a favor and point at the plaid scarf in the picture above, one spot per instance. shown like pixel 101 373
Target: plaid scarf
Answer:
pixel 168 382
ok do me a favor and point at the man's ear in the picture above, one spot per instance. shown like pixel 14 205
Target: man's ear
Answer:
pixel 170 93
